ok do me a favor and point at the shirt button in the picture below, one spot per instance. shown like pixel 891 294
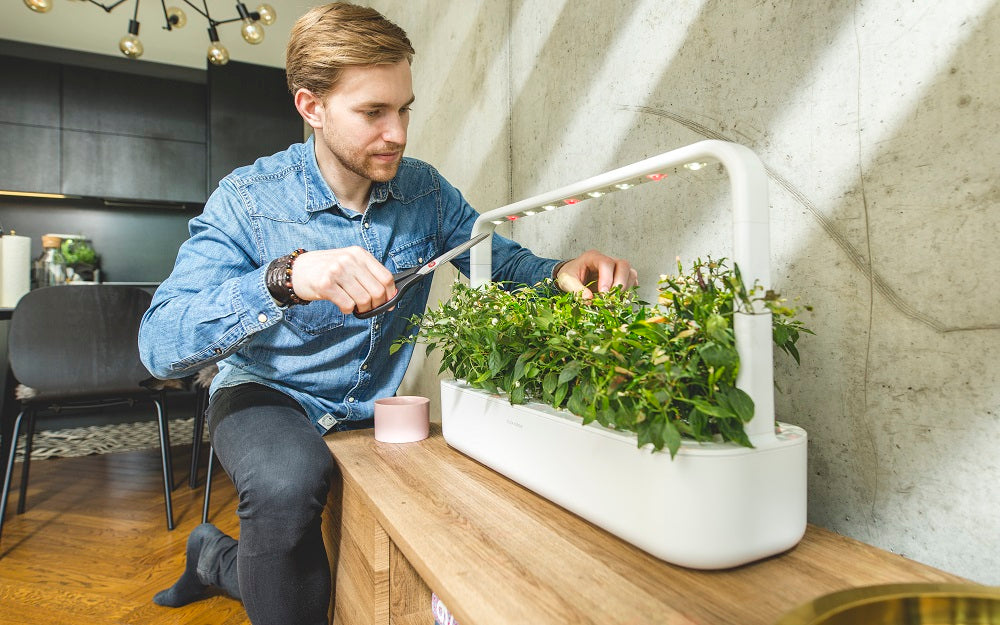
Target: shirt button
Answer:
pixel 262 317
pixel 375 327
pixel 421 260
pixel 367 225
pixel 350 400
pixel 364 367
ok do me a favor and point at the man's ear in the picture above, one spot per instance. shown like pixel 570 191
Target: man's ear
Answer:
pixel 310 107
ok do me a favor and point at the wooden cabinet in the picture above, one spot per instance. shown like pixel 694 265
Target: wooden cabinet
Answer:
pixel 251 114
pixel 403 520
pixel 132 136
pixel 118 166
pixel 93 126
pixel 29 125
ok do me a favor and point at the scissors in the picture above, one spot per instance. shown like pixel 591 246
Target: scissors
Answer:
pixel 408 277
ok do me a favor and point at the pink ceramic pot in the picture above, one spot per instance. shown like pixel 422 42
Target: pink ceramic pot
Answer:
pixel 402 419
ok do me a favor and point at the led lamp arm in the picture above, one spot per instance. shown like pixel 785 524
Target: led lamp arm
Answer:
pixel 751 248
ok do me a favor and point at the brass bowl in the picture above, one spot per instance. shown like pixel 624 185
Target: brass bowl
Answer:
pixel 902 604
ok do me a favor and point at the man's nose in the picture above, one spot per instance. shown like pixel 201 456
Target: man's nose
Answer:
pixel 395 130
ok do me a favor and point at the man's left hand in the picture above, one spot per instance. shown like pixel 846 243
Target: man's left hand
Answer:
pixel 592 271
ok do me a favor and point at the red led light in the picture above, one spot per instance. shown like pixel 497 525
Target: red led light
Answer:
pixel 656 177
pixel 571 200
pixel 512 217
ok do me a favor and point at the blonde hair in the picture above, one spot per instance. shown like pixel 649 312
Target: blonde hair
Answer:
pixel 331 37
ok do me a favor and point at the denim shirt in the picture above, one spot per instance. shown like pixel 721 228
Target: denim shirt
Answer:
pixel 215 306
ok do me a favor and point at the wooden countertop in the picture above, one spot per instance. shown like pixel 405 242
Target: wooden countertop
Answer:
pixel 498 554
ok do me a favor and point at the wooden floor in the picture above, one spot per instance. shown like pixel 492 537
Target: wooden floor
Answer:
pixel 92 547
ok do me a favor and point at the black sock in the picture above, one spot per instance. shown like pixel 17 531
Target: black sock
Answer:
pixel 189 587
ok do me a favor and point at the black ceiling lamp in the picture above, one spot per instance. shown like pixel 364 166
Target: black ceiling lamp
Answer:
pixel 173 17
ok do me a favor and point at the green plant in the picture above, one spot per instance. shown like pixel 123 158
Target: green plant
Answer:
pixel 78 252
pixel 664 371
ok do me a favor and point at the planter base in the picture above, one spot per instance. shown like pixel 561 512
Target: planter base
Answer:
pixel 714 506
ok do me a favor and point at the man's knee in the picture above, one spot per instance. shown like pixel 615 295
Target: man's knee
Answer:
pixel 296 490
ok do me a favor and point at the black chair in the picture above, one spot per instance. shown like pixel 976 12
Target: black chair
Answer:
pixel 77 347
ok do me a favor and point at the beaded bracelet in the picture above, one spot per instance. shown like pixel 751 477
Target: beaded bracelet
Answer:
pixel 279 280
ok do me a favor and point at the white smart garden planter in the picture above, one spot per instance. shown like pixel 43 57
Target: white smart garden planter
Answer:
pixel 714 505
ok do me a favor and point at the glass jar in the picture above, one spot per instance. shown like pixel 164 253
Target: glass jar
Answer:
pixel 50 267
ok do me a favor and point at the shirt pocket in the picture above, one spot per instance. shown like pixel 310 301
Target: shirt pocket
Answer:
pixel 315 317
pixel 412 253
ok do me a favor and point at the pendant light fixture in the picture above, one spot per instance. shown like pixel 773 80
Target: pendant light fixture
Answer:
pixel 130 44
pixel 252 27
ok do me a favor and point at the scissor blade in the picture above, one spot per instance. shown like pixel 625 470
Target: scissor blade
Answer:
pixel 452 253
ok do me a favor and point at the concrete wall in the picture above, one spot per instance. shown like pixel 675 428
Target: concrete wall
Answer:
pixel 877 123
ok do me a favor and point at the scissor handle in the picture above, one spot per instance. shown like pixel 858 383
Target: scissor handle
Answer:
pixel 404 280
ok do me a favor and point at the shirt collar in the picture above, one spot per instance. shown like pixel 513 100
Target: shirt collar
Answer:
pixel 319 195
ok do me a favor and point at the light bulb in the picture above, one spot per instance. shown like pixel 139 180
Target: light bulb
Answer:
pixel 39 6
pixel 267 14
pixel 176 17
pixel 252 32
pixel 694 166
pixel 218 54
pixel 130 44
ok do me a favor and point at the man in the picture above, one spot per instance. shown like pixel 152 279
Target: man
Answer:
pixel 294 362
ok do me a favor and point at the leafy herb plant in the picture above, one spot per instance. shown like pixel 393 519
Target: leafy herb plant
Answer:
pixel 665 371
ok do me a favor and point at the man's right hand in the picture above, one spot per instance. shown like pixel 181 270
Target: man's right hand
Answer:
pixel 350 277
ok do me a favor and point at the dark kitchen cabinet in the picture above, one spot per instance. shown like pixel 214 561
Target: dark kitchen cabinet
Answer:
pixel 132 136
pixel 129 104
pixel 118 166
pixel 98 126
pixel 30 93
pixel 251 114
pixel 29 158
pixel 29 125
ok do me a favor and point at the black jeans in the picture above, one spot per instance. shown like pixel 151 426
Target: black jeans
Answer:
pixel 282 469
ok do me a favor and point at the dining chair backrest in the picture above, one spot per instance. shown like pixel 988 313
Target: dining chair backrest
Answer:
pixel 79 340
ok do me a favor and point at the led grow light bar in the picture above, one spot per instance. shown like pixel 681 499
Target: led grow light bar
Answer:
pixel 751 246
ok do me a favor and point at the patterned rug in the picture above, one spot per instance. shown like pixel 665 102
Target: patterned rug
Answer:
pixel 105 439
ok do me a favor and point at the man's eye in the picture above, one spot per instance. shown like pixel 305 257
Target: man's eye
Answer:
pixel 372 113
pixel 406 109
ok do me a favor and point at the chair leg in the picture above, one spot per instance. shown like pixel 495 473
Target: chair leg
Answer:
pixel 26 463
pixel 10 468
pixel 168 477
pixel 199 428
pixel 208 483
pixel 166 434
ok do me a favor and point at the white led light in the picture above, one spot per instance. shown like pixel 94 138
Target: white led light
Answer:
pixel 694 166
pixel 497 221
pixel 526 213
pixel 595 194
pixel 623 186
pixel 550 207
